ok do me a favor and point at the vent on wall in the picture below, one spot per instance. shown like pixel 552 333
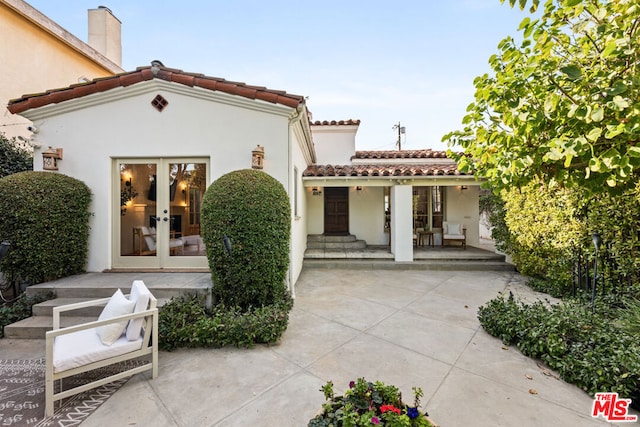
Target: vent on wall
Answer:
pixel 159 103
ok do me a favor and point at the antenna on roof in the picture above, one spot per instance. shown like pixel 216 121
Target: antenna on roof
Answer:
pixel 401 130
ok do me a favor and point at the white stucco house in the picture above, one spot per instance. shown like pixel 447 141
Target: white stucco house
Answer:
pixel 149 142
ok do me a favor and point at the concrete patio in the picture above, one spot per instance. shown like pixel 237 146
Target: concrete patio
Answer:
pixel 407 328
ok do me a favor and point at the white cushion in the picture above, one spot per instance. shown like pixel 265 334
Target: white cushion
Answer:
pixel 453 229
pixel 140 295
pixel 453 237
pixel 83 347
pixel 118 305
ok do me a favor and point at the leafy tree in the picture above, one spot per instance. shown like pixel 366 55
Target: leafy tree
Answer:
pixel 564 105
pixel 13 157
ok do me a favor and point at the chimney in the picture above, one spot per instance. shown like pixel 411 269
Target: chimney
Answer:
pixel 105 34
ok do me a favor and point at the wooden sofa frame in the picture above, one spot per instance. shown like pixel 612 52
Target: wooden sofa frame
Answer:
pixel 462 238
pixel 149 347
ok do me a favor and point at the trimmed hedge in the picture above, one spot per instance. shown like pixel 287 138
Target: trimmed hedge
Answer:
pixel 252 209
pixel 45 216
pixel 185 322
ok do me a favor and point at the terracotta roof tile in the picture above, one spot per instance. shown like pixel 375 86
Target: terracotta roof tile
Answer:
pixel 408 170
pixel 336 122
pixel 401 154
pixel 141 74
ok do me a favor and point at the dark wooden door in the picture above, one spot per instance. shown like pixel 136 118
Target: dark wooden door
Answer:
pixel 336 210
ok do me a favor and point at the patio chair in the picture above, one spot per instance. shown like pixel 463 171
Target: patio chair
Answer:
pixel 127 329
pixel 454 233
pixel 148 236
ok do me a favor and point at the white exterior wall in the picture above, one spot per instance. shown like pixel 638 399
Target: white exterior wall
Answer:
pixel 402 222
pixel 334 145
pixel 190 126
pixel 366 215
pixel 315 208
pixel 462 208
pixel 299 219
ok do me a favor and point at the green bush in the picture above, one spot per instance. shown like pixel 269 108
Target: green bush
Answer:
pixel 630 317
pixel 45 216
pixel 13 157
pixel 586 348
pixel 184 322
pixel 549 286
pixel 252 209
pixel 545 228
pixel 20 308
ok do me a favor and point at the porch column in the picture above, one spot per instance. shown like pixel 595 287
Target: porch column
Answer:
pixel 402 222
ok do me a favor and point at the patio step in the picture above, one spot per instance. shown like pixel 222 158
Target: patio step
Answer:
pixel 84 287
pixel 432 264
pixel 36 326
pixel 320 241
pixel 45 309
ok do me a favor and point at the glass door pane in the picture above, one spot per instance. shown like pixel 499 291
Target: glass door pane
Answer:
pixel 137 209
pixel 187 184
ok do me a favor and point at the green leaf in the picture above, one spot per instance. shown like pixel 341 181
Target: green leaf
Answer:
pixel 572 3
pixel 609 49
pixel 594 134
pixel 597 114
pixel 633 151
pixel 573 72
pixel 567 160
pixel 620 102
pixel 618 88
pixel 525 23
pixel 613 131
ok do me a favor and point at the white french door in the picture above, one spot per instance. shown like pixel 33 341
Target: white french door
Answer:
pixel 157 212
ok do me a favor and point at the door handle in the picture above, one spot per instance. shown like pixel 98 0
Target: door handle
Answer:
pixel 157 218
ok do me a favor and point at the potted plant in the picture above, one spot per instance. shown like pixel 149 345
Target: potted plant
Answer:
pixel 369 404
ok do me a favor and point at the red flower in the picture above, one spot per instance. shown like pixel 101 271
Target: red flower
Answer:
pixel 385 408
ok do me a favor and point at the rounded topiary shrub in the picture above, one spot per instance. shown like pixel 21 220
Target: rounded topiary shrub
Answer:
pixel 252 209
pixel 45 217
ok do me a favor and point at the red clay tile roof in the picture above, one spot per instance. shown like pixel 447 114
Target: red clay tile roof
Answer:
pixel 408 170
pixel 141 74
pixel 401 154
pixel 335 122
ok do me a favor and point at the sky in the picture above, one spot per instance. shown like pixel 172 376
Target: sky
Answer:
pixel 382 62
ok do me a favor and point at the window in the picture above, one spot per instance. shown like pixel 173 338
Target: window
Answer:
pixel 428 207
pixel 437 206
pixel 387 208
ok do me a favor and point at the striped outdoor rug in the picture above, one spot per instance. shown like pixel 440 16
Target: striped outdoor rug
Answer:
pixel 22 398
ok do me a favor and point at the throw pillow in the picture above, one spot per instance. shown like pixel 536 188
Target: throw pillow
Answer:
pixel 140 295
pixel 118 305
pixel 454 229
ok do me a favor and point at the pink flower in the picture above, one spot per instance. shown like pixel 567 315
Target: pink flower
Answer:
pixel 375 420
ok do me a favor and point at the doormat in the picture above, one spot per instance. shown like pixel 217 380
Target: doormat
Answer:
pixel 22 395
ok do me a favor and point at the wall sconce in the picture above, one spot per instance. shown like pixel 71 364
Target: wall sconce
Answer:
pixel 50 158
pixel 315 191
pixel 358 188
pixel 257 157
pixel 463 187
